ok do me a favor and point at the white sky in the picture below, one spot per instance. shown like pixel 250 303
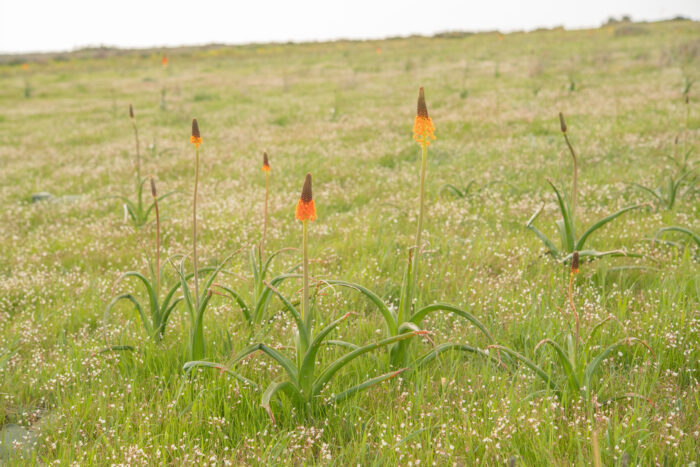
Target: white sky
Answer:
pixel 58 25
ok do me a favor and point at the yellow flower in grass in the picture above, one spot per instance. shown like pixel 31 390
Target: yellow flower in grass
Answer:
pixel 306 209
pixel 423 128
pixel 196 138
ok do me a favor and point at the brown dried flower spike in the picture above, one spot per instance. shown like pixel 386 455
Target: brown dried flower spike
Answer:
pixel 196 138
pixel 131 111
pixel 574 263
pixel 266 163
pixel 562 123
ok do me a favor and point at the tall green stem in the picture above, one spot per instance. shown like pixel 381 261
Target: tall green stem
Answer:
pixel 305 311
pixel 138 152
pixel 194 226
pixel 267 193
pixel 574 188
pixel 421 214
pixel 155 204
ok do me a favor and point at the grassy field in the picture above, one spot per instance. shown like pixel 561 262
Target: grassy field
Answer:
pixel 344 112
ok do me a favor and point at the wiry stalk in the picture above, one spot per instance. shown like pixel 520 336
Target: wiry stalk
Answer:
pixel 138 146
pixel 419 231
pixel 155 206
pixel 596 448
pixel 572 275
pixel 267 193
pixel 305 312
pixel 194 225
pixel 574 188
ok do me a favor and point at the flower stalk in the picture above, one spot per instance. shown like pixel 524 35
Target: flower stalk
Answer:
pixel 155 207
pixel 574 187
pixel 195 139
pixel 305 212
pixel 423 132
pixel 138 146
pixel 572 274
pixel 266 169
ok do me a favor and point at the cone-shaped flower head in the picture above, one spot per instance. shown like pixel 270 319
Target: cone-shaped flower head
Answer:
pixel 562 123
pixel 131 111
pixel 164 61
pixel 423 129
pixel 196 138
pixel 306 209
pixel 574 263
pixel 266 163
pixel 153 187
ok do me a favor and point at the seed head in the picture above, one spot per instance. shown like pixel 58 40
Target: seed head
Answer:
pixel 422 110
pixel 562 123
pixel 131 111
pixel 687 99
pixel 196 138
pixel 306 194
pixel 153 187
pixel 574 263
pixel 266 163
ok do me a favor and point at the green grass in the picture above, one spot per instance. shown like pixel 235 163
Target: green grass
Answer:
pixel 345 113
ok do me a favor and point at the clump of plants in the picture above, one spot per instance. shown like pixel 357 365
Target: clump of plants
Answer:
pixel 680 184
pixel 570 241
pixel 303 380
pixel 575 364
pixel 472 189
pixel 254 309
pixel 573 369
pixel 138 210
pixel 153 317
pixel 410 314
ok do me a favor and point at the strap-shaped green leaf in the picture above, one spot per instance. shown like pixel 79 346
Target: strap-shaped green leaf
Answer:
pixel 423 312
pixel 374 298
pixel 137 305
pixel 189 366
pixel 567 223
pixel 328 373
pixel 582 241
pixel 434 353
pixel 566 364
pixel 366 385
pixel 530 364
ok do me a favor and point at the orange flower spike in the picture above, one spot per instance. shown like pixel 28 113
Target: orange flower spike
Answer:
pixel 164 61
pixel 306 209
pixel 266 163
pixel 423 128
pixel 196 138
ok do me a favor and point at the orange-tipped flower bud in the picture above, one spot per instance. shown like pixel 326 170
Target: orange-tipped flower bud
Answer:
pixel 562 123
pixel 574 263
pixel 153 187
pixel 423 128
pixel 131 111
pixel 196 138
pixel 266 163
pixel 306 209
